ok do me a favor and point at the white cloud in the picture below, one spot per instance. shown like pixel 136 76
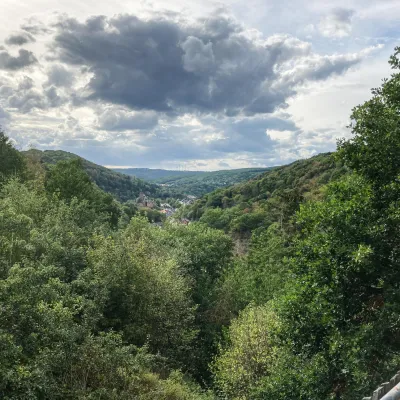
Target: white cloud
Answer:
pixel 281 136
pixel 337 24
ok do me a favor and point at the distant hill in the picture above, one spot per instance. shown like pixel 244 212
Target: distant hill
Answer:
pixel 123 187
pixel 150 174
pixel 195 183
pixel 263 200
pixel 206 182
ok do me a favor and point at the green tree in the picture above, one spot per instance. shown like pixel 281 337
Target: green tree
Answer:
pixel 143 292
pixel 256 277
pixel 63 280
pixel 249 355
pixel 69 180
pixel 374 149
pixel 11 161
pixel 339 315
pixel 202 254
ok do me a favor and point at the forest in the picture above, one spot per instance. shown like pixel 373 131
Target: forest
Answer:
pixel 202 183
pixel 96 302
pixel 122 187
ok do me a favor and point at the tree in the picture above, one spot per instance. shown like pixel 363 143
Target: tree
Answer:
pixel 340 313
pixel 69 180
pixel 144 294
pixel 11 161
pixel 66 286
pixel 202 254
pixel 250 354
pixel 374 149
pixel 256 277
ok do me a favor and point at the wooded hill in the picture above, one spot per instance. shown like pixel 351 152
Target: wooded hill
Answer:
pixel 123 187
pixel 126 184
pixel 272 197
pixel 196 183
pixel 200 184
pixel 154 174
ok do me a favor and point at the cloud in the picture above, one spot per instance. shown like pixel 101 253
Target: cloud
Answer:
pixel 171 66
pixel 4 115
pixel 317 68
pixel 35 27
pixel 53 98
pixel 19 39
pixel 59 76
pixel 26 83
pixel 337 24
pixel 164 89
pixel 198 57
pixel 122 120
pixel 24 59
pixel 27 98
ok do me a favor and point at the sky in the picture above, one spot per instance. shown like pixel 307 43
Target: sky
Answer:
pixel 193 85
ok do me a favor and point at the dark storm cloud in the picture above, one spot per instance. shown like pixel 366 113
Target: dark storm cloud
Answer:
pixel 166 65
pixel 19 39
pixel 24 59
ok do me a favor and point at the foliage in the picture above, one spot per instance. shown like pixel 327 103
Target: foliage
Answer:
pixel 203 255
pixel 156 174
pixel 374 149
pixel 11 161
pixel 257 277
pixel 69 181
pixel 272 197
pixel 249 355
pixel 83 306
pixel 97 302
pixel 338 334
pixel 147 296
pixel 201 183
pixel 121 186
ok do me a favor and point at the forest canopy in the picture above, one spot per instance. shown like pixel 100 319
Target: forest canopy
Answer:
pixel 97 302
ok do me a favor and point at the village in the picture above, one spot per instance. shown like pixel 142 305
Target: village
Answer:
pixel 144 203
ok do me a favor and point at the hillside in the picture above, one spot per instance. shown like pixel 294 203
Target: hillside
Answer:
pixel 206 182
pixel 271 197
pixel 123 187
pixel 154 174
pixel 196 183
